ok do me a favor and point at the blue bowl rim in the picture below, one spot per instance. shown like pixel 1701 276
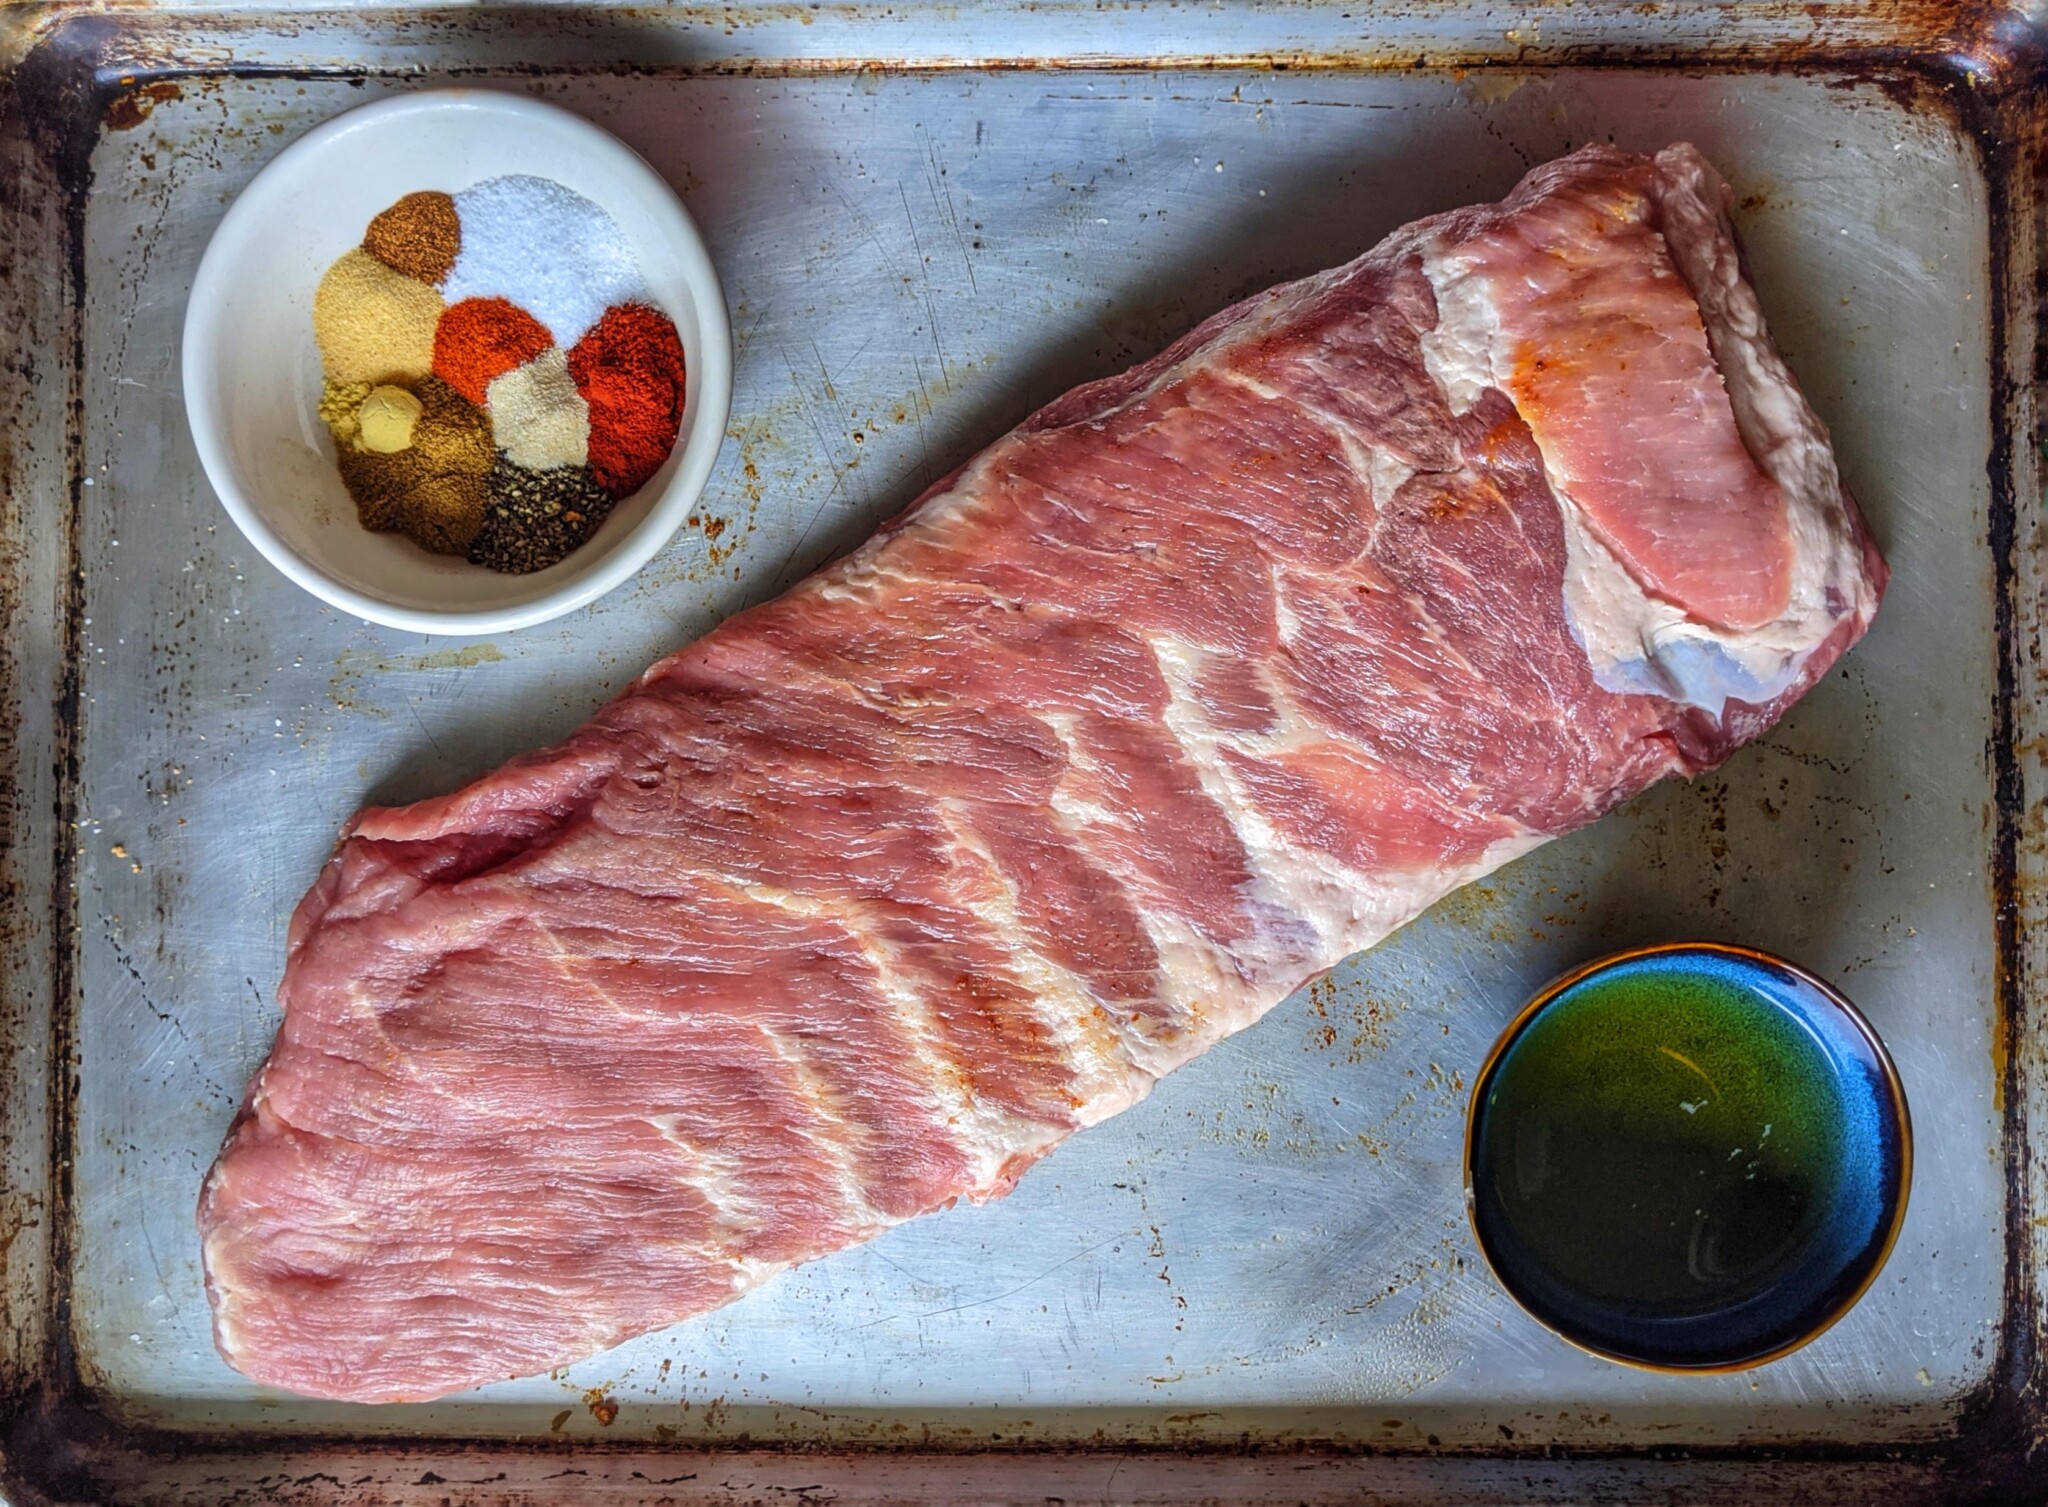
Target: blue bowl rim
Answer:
pixel 1895 1088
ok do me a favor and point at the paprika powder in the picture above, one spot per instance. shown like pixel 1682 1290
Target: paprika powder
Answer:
pixel 629 369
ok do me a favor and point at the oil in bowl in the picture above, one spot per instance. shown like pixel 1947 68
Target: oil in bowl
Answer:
pixel 1692 1157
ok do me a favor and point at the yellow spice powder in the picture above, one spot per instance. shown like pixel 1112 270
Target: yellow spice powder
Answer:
pixel 341 406
pixel 374 324
pixel 387 418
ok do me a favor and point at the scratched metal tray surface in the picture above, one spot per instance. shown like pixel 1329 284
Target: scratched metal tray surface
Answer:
pixel 1259 1285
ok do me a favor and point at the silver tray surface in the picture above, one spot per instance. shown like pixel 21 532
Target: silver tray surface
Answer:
pixel 1260 1284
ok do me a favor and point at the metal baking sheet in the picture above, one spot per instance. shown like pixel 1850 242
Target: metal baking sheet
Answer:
pixel 1272 1252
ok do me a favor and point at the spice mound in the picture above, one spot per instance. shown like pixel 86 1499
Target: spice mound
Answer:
pixel 497 376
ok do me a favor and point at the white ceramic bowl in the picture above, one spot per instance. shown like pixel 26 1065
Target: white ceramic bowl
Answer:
pixel 252 370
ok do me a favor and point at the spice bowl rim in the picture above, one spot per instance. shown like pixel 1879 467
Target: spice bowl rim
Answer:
pixel 1895 1095
pixel 710 369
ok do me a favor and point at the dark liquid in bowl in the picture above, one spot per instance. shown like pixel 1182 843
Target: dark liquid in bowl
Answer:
pixel 1672 1164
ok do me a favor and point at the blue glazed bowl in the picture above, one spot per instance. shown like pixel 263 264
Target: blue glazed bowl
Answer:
pixel 1691 1157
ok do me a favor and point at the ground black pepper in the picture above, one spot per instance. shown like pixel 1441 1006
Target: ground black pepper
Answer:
pixel 535 518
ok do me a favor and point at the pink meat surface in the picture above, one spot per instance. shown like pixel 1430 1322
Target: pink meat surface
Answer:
pixel 1202 679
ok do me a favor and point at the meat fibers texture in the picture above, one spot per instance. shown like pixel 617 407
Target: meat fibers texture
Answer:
pixel 1203 678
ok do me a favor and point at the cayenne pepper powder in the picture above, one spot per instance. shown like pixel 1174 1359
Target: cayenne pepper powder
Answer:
pixel 480 339
pixel 629 369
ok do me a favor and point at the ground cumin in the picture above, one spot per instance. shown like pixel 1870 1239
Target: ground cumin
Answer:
pixel 435 491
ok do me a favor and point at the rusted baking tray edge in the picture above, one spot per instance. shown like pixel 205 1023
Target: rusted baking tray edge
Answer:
pixel 70 68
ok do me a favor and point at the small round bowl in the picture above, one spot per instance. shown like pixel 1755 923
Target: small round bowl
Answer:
pixel 1689 1158
pixel 252 371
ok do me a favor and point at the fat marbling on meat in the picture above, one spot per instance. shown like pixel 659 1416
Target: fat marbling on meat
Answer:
pixel 1205 677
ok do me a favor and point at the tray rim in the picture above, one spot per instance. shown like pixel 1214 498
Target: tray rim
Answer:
pixel 65 66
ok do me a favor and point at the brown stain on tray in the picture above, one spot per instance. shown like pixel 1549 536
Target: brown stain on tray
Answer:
pixel 131 109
